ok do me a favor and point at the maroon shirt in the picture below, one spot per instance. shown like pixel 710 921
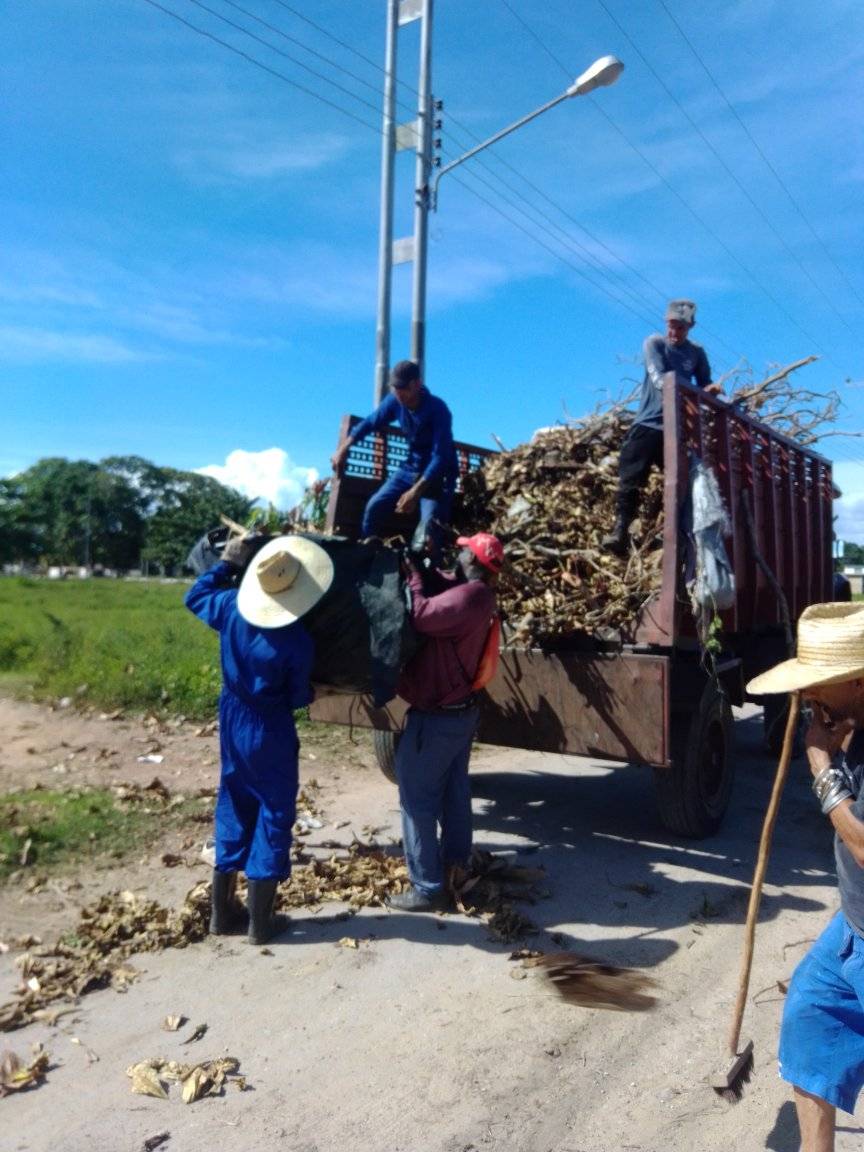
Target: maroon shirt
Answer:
pixel 454 625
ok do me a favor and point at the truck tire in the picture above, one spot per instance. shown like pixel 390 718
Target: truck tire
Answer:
pixel 693 793
pixel 385 745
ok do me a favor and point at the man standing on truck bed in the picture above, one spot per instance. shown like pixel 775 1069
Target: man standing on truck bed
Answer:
pixel 441 682
pixel 643 445
pixel 428 476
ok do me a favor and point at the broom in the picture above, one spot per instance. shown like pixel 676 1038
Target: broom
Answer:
pixel 730 1083
pixel 590 983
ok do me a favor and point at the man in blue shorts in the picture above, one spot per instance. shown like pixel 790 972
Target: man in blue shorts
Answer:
pixel 822 1036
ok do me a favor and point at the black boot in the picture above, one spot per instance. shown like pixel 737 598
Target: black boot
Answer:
pixel 226 915
pixel 618 540
pixel 264 924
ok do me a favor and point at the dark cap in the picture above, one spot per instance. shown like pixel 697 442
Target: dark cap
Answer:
pixel 404 373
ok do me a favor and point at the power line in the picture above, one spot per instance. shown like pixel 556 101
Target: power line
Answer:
pixel 259 64
pixel 579 271
pixel 732 176
pixel 761 153
pixel 653 168
pixel 312 51
pixel 284 55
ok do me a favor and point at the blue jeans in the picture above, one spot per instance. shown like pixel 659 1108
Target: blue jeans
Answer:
pixel 434 507
pixel 822 1037
pixel 432 769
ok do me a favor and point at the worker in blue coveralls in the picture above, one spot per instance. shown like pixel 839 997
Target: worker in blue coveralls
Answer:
pixel 428 476
pixel 643 444
pixel 266 656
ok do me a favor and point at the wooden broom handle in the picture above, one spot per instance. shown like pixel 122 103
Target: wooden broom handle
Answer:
pixel 759 873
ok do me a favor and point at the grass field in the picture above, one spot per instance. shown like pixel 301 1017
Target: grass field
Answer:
pixel 111 643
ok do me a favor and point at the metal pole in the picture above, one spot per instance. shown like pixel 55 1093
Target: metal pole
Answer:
pixel 433 198
pixel 421 189
pixel 385 241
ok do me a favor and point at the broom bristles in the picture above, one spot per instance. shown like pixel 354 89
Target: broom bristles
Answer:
pixel 593 984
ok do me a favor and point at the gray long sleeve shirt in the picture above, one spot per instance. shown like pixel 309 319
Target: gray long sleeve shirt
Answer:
pixel 688 361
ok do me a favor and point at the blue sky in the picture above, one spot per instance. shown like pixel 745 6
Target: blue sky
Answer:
pixel 188 244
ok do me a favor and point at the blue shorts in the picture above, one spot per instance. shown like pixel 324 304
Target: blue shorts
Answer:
pixel 822 1037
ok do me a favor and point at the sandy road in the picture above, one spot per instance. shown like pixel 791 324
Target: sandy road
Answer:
pixel 420 1039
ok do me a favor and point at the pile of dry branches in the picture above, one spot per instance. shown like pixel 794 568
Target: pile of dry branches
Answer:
pixel 551 501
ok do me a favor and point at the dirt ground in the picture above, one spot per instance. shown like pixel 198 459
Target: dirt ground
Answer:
pixel 420 1038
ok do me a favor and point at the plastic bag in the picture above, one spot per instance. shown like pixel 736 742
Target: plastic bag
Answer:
pixel 713 585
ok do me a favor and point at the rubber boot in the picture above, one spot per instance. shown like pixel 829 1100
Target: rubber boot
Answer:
pixel 226 915
pixel 263 923
pixel 618 540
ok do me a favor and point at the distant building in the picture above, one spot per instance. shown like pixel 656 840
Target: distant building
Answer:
pixel 854 573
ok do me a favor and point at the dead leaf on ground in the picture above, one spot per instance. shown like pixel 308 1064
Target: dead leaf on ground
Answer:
pixel 197 1034
pixel 156 1141
pixel 17 1077
pixel 146 1082
pixel 348 942
pixel 172 1023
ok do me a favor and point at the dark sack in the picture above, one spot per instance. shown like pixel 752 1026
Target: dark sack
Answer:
pixel 361 626
pixel 208 551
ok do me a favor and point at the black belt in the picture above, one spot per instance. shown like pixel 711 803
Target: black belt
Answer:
pixel 463 706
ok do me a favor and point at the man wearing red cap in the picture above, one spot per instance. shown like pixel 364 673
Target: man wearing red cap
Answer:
pixel 441 682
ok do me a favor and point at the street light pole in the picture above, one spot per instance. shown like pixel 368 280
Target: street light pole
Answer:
pixel 421 189
pixel 601 74
pixel 385 240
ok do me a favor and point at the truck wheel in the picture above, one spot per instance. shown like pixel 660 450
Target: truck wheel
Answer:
pixel 385 745
pixel 693 793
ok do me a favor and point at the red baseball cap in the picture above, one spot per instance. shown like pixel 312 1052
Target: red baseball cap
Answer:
pixel 487 548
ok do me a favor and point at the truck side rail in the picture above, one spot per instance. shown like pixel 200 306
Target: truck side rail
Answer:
pixel 787 489
pixel 369 463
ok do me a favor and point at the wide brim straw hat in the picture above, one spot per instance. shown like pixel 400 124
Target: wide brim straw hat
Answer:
pixel 287 577
pixel 830 650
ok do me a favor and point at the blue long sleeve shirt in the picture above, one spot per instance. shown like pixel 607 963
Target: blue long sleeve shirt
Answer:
pixel 688 361
pixel 267 668
pixel 428 430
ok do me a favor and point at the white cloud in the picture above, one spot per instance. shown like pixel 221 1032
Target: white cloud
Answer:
pixel 256 152
pixel 269 475
pixel 37 345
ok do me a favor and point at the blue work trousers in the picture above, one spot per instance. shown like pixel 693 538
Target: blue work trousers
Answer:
pixel 434 509
pixel 257 800
pixel 432 769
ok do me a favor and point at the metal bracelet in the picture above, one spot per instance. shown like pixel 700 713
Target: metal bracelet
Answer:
pixel 836 795
pixel 827 779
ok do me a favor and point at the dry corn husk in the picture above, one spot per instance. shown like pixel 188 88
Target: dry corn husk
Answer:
pixel 550 502
pixel 16 1077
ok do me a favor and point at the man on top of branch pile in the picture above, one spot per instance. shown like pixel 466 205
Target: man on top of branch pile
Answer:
pixel 643 445
pixel 428 476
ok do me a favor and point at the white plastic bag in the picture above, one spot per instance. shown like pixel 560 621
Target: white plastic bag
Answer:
pixel 713 586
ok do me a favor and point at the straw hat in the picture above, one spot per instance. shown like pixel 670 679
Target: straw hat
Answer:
pixel 830 650
pixel 287 577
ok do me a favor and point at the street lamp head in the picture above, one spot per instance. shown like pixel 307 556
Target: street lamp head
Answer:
pixel 601 74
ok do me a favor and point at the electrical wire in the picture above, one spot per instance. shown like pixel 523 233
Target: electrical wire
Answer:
pixel 312 51
pixel 259 64
pixel 653 168
pixel 761 153
pixel 285 55
pixel 729 172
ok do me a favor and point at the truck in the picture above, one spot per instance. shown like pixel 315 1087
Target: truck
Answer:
pixel 650 697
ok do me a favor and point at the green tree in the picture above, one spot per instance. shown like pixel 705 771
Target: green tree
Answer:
pixel 187 506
